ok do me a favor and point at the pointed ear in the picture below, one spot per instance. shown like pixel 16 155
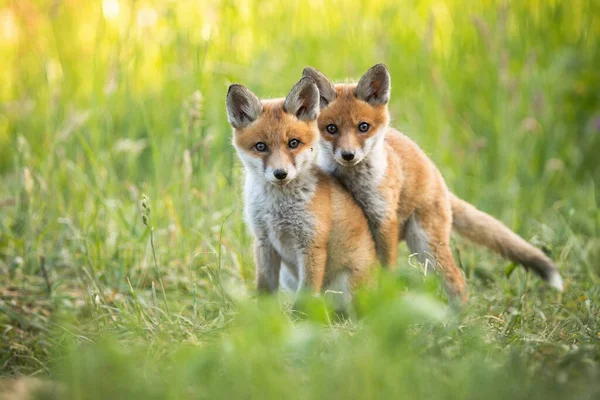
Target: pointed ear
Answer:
pixel 303 100
pixel 243 107
pixel 374 86
pixel 326 87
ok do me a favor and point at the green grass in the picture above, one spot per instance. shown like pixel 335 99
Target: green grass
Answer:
pixel 96 112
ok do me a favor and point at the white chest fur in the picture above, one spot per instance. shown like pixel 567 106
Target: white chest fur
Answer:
pixel 281 215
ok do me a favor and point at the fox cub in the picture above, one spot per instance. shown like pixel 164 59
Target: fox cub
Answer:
pixel 302 219
pixel 399 188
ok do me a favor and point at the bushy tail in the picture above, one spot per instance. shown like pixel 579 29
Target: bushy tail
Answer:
pixel 485 230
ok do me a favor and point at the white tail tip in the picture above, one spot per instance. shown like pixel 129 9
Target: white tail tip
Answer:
pixel 556 282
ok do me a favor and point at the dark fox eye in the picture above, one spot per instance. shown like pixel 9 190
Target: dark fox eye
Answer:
pixel 292 144
pixel 363 127
pixel 331 128
pixel 260 146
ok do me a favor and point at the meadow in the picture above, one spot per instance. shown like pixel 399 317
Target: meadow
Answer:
pixel 106 103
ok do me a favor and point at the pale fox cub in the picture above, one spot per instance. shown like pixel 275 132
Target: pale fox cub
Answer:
pixel 302 219
pixel 399 188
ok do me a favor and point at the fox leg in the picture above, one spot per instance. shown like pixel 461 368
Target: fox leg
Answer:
pixel 418 242
pixel 428 236
pixel 268 263
pixel 312 268
pixel 386 241
pixel 453 277
pixel 287 280
pixel 311 271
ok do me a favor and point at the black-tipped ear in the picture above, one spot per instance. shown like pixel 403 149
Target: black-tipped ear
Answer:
pixel 374 86
pixel 326 87
pixel 243 107
pixel 303 100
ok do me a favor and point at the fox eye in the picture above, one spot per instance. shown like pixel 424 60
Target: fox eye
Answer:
pixel 260 146
pixel 331 128
pixel 292 144
pixel 363 127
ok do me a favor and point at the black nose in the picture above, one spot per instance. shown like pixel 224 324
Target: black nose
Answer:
pixel 348 155
pixel 280 173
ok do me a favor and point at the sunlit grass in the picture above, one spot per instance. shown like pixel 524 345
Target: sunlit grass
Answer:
pixel 104 101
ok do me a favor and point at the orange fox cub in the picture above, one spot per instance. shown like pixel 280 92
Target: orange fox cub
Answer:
pixel 307 228
pixel 399 188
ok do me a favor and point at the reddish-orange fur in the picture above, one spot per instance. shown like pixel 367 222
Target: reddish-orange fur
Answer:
pixel 341 234
pixel 413 187
pixel 276 127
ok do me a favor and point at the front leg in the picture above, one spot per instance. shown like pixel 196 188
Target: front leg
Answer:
pixel 268 263
pixel 386 242
pixel 311 270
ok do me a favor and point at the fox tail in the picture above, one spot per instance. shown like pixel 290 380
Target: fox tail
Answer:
pixel 487 231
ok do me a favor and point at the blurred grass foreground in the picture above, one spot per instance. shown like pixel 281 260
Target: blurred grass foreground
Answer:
pixel 104 101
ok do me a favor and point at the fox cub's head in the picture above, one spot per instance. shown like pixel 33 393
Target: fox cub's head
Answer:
pixel 275 138
pixel 353 117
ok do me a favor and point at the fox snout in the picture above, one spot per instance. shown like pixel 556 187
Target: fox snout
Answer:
pixel 347 155
pixel 347 149
pixel 280 175
pixel 279 168
pixel 350 149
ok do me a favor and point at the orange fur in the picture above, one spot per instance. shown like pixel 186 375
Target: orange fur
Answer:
pixel 342 231
pixel 483 229
pixel 412 186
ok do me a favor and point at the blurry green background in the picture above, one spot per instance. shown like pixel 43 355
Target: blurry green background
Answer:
pixel 103 101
